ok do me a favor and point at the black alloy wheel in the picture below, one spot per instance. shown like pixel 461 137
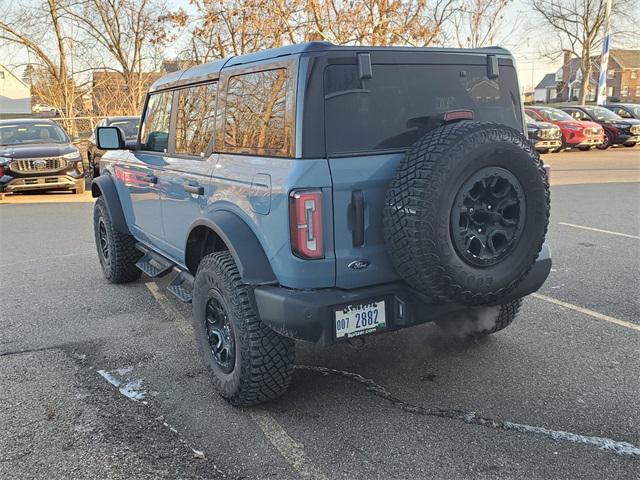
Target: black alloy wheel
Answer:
pixel 103 240
pixel 488 216
pixel 220 332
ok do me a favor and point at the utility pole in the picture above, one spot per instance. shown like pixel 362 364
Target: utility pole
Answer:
pixel 604 60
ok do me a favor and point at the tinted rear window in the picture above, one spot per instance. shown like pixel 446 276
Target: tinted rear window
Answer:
pixel 396 106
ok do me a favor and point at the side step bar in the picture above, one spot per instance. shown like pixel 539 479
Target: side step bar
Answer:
pixel 182 286
pixel 156 265
pixel 152 263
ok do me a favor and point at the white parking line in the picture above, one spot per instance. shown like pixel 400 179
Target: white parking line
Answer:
pixel 599 230
pixel 291 451
pixel 586 311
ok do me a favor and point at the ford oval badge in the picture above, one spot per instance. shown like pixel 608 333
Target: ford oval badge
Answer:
pixel 359 264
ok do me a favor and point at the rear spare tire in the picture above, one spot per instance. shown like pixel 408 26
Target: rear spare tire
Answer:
pixel 467 212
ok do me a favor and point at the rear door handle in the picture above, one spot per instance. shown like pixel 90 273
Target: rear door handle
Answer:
pixel 198 190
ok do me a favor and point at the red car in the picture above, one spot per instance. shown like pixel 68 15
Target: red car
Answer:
pixel 582 135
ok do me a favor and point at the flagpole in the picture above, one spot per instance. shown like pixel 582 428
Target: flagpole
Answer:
pixel 604 60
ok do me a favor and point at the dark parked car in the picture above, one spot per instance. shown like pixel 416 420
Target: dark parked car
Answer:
pixel 625 110
pixel 129 127
pixel 617 130
pixel 545 136
pixel 326 193
pixel 38 155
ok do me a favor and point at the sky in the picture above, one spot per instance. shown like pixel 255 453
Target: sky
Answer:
pixel 520 37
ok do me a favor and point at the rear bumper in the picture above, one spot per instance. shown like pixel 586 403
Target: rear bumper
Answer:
pixel 53 182
pixel 309 314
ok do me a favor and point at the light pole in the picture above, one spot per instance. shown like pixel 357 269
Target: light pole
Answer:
pixel 604 60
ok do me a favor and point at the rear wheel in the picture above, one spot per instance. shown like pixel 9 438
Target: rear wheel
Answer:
pixel 249 362
pixel 117 251
pixel 630 144
pixel 478 322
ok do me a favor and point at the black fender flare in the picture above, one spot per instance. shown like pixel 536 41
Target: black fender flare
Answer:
pixel 105 187
pixel 252 261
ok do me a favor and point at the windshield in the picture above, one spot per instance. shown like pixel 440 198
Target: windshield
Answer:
pixel 128 126
pixel 31 133
pixel 400 103
pixel 601 113
pixel 555 115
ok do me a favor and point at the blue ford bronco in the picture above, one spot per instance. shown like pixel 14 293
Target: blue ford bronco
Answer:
pixel 322 193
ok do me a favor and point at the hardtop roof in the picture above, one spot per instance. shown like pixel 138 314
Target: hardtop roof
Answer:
pixel 203 72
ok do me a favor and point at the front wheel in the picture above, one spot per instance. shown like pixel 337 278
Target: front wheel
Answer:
pixel 478 322
pixel 116 250
pixel 249 362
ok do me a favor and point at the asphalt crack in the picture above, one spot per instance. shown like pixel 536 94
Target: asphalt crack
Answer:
pixel 471 418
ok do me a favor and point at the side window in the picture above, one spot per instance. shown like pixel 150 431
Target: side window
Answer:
pixel 575 114
pixel 195 118
pixel 255 111
pixel 155 124
pixel 623 113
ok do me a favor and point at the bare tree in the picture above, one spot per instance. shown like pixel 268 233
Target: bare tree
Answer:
pixel 479 23
pixel 129 34
pixel 53 78
pixel 378 22
pixel 577 27
pixel 234 27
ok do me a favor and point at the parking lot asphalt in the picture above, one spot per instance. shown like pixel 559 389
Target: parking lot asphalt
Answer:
pixel 104 381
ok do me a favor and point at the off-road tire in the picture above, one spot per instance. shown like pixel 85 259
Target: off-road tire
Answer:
pixel 420 201
pixel 264 360
pixel 119 266
pixel 459 326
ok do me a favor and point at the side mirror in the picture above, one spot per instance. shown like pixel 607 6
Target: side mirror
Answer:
pixel 109 138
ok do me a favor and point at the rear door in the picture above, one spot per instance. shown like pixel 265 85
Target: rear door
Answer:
pixel 370 123
pixel 185 180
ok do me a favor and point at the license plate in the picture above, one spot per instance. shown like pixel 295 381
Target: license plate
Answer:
pixel 359 319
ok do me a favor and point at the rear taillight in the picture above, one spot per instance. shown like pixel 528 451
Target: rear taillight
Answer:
pixel 1 170
pixel 305 217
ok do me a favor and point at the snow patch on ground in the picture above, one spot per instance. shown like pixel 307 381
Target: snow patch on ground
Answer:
pixel 127 386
